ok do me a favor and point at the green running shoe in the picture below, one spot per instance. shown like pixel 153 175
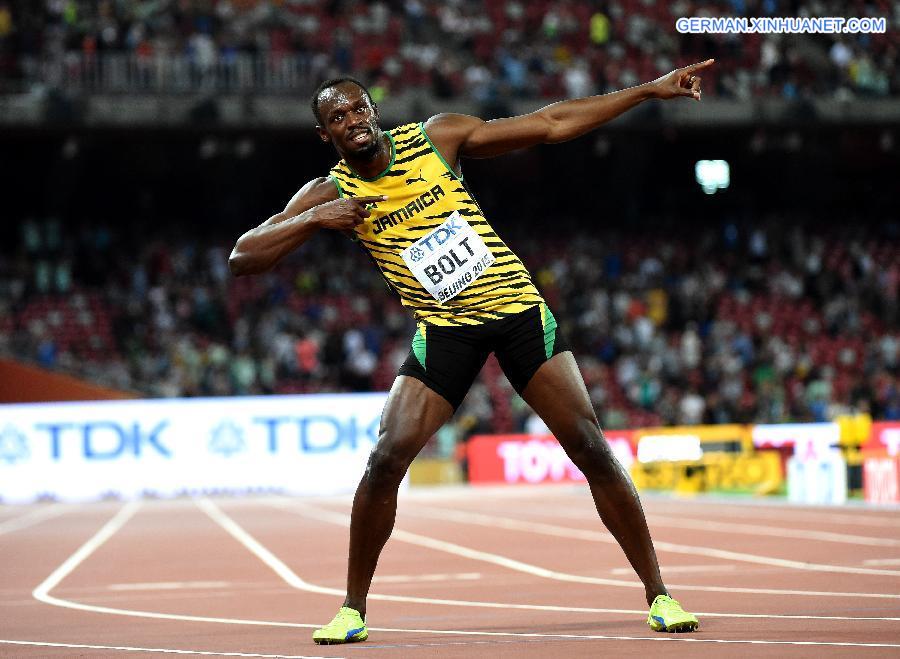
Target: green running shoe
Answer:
pixel 347 627
pixel 666 615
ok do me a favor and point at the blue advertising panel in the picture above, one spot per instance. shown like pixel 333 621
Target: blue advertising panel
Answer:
pixel 308 445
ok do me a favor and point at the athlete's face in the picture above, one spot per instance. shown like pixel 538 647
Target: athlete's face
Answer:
pixel 350 121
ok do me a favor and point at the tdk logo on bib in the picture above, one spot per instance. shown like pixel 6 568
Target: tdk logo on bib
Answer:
pixel 449 259
pixel 444 232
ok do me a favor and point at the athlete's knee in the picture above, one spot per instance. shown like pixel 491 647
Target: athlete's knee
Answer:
pixel 389 460
pixel 385 468
pixel 588 449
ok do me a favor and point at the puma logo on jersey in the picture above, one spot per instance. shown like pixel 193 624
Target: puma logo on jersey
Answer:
pixel 410 181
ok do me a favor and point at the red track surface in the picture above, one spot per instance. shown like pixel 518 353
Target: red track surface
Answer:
pixel 255 576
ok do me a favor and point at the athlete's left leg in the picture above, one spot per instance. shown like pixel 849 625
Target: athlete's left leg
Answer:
pixel 557 394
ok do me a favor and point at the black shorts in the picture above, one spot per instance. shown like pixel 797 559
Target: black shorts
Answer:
pixel 448 359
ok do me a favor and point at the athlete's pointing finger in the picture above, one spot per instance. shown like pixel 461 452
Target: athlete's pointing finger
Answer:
pixel 699 66
pixel 371 200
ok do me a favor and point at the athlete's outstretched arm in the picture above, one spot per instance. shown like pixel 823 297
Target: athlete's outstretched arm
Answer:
pixel 463 136
pixel 315 206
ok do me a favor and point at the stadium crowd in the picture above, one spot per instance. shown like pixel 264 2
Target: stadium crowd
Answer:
pixel 762 323
pixel 475 48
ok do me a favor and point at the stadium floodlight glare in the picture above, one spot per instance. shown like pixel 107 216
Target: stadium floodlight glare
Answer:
pixel 712 175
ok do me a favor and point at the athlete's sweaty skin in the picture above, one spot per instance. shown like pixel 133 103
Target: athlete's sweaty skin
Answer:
pixel 413 412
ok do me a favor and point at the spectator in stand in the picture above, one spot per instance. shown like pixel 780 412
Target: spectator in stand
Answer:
pixel 780 338
pixel 541 48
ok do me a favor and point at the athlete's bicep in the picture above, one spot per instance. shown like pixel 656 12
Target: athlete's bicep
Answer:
pixel 499 136
pixel 316 192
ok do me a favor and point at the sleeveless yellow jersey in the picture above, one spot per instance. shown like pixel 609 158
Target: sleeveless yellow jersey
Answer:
pixel 430 240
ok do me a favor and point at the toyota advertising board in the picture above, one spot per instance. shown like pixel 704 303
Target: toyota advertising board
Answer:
pixel 533 458
pixel 885 436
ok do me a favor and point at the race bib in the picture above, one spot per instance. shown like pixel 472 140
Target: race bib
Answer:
pixel 448 259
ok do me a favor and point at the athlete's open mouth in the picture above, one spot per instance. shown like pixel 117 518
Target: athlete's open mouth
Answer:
pixel 361 136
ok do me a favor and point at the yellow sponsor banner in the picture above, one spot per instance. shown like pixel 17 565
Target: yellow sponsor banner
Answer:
pixel 757 472
pixel 434 471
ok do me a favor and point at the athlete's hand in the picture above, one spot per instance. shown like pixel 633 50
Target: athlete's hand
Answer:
pixel 681 82
pixel 345 214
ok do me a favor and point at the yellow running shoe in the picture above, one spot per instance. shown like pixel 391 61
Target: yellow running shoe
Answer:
pixel 666 615
pixel 347 627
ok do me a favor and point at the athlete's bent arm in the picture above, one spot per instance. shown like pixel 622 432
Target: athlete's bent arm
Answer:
pixel 458 135
pixel 315 206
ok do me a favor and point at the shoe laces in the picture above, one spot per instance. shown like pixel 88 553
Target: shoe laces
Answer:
pixel 346 613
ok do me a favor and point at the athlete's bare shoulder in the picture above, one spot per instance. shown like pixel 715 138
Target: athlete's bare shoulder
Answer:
pixel 449 123
pixel 318 191
pixel 451 128
pixel 449 131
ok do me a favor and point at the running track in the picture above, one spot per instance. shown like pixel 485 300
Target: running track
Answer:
pixel 520 572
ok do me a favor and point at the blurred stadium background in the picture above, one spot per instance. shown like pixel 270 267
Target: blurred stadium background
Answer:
pixel 735 261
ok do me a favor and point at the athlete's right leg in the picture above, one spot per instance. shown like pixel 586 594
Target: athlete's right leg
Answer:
pixel 412 415
pixel 558 395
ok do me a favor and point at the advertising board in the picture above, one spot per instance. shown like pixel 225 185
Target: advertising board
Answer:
pixel 885 436
pixel 309 445
pixel 881 480
pixel 533 458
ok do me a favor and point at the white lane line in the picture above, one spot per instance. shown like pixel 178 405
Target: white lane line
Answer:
pixel 882 561
pixel 673 638
pixel 169 585
pixel 41 593
pixel 782 513
pixel 714 509
pixel 672 569
pixel 218 516
pixel 32 518
pixel 680 638
pixel 416 578
pixel 258 550
pixel 343 520
pixel 519 566
pixel 774 531
pixel 495 521
pixel 127 648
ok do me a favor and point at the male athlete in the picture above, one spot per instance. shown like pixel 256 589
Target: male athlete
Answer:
pixel 401 195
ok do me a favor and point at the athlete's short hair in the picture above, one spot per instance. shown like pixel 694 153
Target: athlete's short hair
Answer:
pixel 334 82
